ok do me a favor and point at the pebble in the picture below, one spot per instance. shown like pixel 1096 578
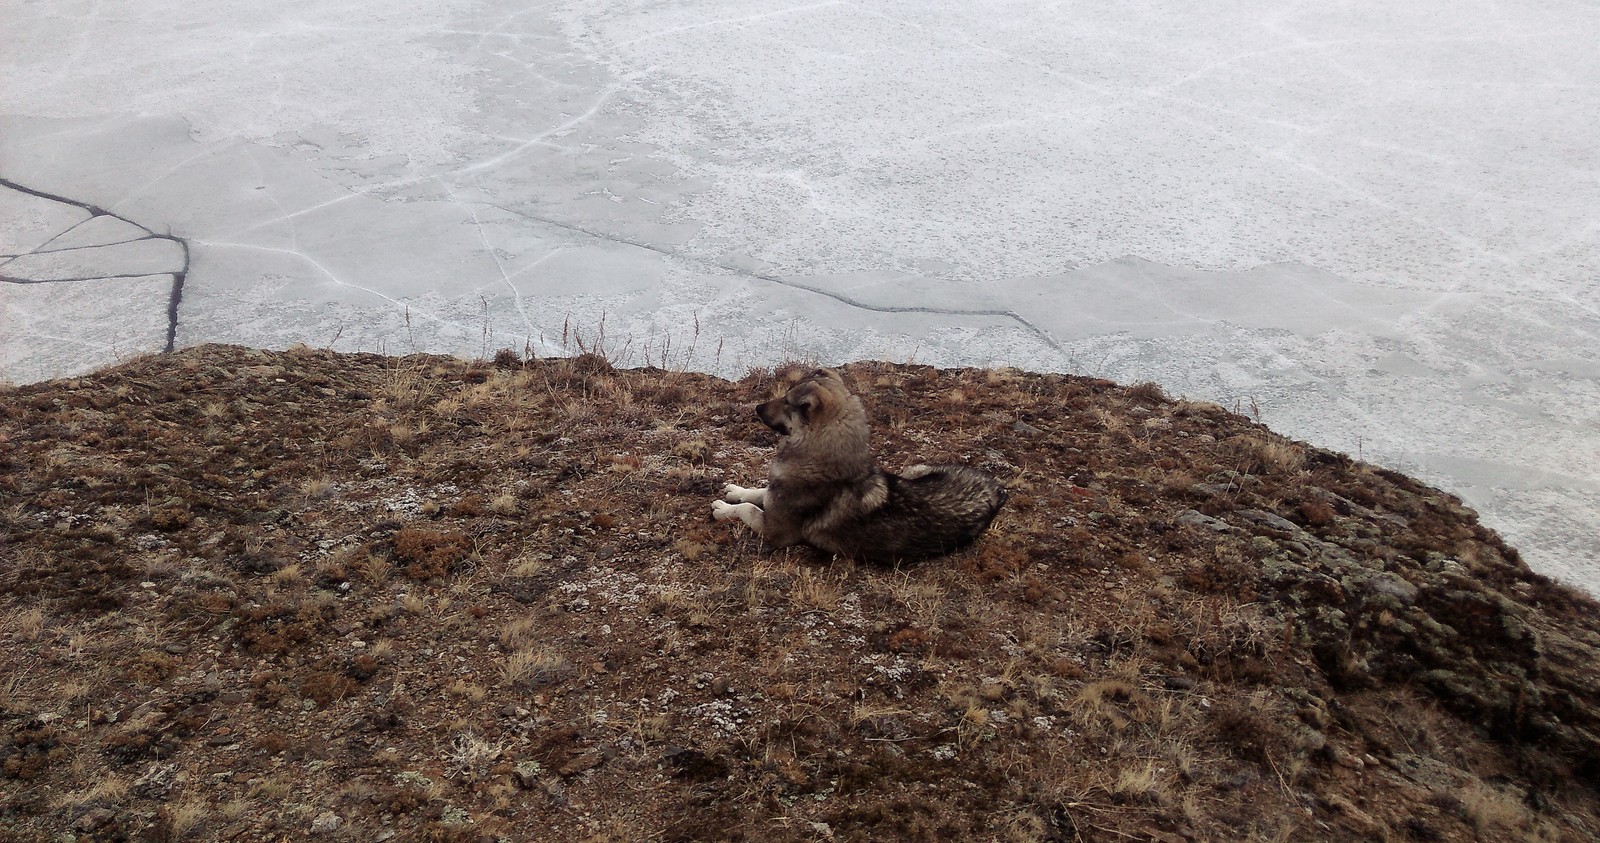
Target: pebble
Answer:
pixel 1025 429
pixel 1179 683
pixel 1191 518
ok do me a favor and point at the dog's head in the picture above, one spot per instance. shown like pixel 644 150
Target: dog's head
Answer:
pixel 814 401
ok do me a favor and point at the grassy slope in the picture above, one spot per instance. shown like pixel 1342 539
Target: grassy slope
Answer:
pixel 258 596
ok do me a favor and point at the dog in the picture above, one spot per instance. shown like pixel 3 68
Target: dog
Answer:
pixel 825 488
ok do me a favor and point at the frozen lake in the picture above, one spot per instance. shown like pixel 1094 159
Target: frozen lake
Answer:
pixel 1377 224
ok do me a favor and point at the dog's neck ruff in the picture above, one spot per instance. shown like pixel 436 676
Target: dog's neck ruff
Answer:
pixel 847 445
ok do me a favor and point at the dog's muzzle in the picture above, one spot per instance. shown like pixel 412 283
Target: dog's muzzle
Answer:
pixel 772 417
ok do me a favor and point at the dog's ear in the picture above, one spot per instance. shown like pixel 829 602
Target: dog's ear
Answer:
pixel 807 403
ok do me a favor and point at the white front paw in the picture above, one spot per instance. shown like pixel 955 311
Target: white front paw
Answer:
pixel 722 510
pixel 734 493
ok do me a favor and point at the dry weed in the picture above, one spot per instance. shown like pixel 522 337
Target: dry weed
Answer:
pixel 534 666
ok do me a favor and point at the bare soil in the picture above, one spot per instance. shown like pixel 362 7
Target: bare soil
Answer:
pixel 304 596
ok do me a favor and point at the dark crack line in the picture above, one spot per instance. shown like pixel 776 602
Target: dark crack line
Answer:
pixel 173 300
pixel 176 298
pixel 1038 332
pixel 43 251
pixel 14 280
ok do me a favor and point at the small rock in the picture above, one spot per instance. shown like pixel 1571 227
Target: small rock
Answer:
pixel 95 819
pixel 585 762
pixel 1025 429
pixel 526 774
pixel 325 822
pixel 1348 760
pixel 1359 818
pixel 1191 518
pixel 1178 683
pixel 1269 520
pixel 1394 586
pixel 156 782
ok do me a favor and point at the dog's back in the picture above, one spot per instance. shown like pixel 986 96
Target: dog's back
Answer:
pixel 928 511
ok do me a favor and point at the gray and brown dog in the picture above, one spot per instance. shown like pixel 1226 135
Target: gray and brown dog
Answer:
pixel 825 489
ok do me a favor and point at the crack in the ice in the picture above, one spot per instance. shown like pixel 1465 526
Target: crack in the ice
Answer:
pixel 483 236
pixel 523 144
pixel 12 279
pixel 174 298
pixel 203 152
pixel 41 250
pixel 1039 333
pixel 408 307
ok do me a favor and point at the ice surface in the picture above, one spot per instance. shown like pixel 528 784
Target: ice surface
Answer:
pixel 31 222
pixel 1374 225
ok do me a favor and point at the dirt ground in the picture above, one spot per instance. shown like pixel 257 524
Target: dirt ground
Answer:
pixel 309 596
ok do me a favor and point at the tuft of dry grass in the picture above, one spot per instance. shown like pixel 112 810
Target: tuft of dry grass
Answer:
pixel 1492 811
pixel 471 754
pixel 288 576
pixel 318 488
pixel 30 624
pixel 519 633
pixel 1142 784
pixel 186 817
pixel 505 504
pixel 534 666
pixel 816 591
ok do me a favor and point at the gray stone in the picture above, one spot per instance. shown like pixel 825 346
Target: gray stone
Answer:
pixel 1191 518
pixel 1269 520
pixel 1393 585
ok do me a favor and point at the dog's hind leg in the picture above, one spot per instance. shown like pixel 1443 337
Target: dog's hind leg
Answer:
pixel 749 513
pixel 734 493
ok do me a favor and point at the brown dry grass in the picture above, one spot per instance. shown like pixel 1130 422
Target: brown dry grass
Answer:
pixel 460 601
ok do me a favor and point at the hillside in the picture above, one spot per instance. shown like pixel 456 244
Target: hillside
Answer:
pixel 304 595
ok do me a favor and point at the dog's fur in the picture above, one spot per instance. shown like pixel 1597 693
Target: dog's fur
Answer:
pixel 825 489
